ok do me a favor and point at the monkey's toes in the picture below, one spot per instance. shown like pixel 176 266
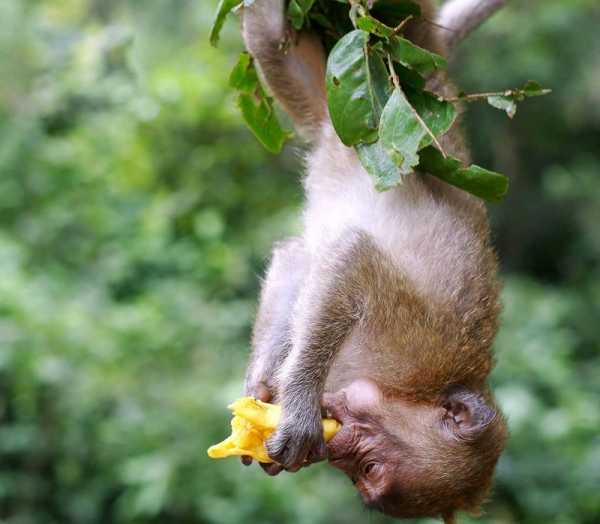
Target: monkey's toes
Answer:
pixel 293 448
pixel 318 452
pixel 281 450
pixel 271 469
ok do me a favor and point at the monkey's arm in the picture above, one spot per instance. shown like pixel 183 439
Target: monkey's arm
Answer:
pixel 337 292
pixel 271 339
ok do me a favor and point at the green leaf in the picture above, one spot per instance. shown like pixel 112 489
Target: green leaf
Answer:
pixel 371 25
pixel 409 77
pixel 504 103
pixel 532 88
pixel 415 57
pixel 403 134
pixel 322 20
pixel 259 114
pixel 257 108
pixel 379 165
pixel 244 77
pixel 438 115
pixel 508 101
pixel 357 88
pixel 473 179
pixel 298 10
pixel 224 8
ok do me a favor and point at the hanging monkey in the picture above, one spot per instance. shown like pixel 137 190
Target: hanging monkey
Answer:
pixel 382 312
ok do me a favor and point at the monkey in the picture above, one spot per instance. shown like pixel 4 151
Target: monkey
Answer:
pixel 382 313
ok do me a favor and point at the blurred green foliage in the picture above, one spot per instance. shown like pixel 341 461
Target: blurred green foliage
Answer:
pixel 137 212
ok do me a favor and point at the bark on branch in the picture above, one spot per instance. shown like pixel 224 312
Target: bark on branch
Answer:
pixel 461 17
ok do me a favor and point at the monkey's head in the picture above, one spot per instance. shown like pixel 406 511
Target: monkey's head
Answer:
pixel 412 459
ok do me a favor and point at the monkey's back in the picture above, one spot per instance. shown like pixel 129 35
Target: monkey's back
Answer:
pixel 437 235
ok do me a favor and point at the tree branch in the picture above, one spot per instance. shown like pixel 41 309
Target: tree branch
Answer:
pixel 459 18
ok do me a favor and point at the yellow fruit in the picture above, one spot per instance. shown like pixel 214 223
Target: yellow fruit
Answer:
pixel 251 426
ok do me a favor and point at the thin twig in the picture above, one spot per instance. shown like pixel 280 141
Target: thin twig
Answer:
pixel 477 96
pixel 480 96
pixel 395 78
pixel 436 24
pixel 355 7
pixel 398 29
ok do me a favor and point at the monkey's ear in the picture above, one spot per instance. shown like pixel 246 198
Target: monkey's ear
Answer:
pixel 466 413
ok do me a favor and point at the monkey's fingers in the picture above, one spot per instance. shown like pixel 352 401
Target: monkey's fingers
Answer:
pixel 288 451
pixel 318 453
pixel 271 469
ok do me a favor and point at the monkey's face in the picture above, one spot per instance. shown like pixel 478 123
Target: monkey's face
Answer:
pixel 414 460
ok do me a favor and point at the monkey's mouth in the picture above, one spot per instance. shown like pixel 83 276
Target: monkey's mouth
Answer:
pixel 344 447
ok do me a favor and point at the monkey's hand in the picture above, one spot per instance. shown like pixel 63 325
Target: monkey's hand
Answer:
pixel 298 440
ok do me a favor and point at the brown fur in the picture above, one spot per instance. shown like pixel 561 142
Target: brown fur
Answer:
pixel 350 311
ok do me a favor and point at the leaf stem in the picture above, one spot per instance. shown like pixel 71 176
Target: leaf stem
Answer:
pixel 398 29
pixel 393 74
pixel 355 8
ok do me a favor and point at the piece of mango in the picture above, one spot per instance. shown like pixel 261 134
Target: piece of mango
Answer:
pixel 251 426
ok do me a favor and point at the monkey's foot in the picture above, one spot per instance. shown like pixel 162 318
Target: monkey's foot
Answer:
pixel 253 423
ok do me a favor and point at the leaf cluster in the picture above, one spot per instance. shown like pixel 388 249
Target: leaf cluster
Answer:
pixel 131 228
pixel 376 92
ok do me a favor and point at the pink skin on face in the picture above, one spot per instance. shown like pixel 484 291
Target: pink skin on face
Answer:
pixel 358 397
pixel 357 401
pixel 356 449
pixel 354 406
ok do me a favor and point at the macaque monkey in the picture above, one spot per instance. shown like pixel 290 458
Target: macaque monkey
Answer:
pixel 382 313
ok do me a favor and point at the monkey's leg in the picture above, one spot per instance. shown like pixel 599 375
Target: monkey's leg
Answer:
pixel 338 291
pixel 271 339
pixel 292 65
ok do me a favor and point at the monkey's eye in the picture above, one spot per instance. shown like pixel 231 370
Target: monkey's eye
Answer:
pixel 369 467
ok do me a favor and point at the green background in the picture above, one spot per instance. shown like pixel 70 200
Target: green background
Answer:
pixel 136 215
